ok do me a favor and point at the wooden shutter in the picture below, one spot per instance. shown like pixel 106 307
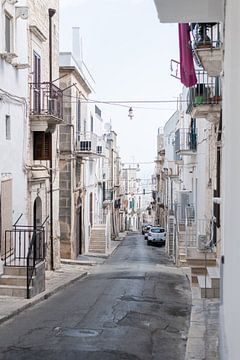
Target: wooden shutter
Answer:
pixel 48 146
pixel 42 145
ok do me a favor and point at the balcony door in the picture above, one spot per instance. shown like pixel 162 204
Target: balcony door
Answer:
pixel 36 83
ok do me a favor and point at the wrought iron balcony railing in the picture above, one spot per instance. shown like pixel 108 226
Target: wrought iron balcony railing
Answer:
pixel 46 99
pixel 206 35
pixel 207 47
pixel 185 141
pixel 207 91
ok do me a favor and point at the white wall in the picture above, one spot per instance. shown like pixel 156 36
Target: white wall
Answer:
pixel 230 180
pixel 13 102
pixel 190 10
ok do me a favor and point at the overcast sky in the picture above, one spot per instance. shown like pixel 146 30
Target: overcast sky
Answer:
pixel 128 52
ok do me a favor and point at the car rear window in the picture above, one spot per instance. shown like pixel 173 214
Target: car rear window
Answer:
pixel 157 230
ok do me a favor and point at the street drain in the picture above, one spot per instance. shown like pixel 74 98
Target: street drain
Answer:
pixel 76 332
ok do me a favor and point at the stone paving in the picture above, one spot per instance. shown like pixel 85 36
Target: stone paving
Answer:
pixel 203 336
pixel 69 272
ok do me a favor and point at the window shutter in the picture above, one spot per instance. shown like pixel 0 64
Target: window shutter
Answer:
pixel 42 145
pixel 7 33
pixel 38 145
pixel 48 146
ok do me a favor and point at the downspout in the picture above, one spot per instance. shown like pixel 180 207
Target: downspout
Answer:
pixel 51 13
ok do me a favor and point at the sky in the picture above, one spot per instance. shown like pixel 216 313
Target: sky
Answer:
pixel 128 52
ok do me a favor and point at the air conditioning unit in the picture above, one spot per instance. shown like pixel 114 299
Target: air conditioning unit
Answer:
pixel 202 242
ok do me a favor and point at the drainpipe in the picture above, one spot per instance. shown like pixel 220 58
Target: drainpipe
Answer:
pixel 51 13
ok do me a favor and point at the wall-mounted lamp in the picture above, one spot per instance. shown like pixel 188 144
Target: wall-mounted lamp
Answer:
pixel 130 113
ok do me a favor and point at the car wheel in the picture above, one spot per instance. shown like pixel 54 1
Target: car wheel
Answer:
pixel 148 242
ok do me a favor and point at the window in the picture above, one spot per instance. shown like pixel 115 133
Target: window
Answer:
pixel 8 32
pixel 91 123
pixel 78 119
pixel 8 127
pixel 37 83
pixel 42 145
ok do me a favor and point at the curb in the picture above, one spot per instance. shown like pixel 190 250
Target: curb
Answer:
pixel 78 262
pixel 42 297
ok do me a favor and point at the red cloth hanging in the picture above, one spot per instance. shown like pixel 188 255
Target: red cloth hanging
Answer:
pixel 187 70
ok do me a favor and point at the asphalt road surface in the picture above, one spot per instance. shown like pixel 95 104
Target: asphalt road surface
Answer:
pixel 135 306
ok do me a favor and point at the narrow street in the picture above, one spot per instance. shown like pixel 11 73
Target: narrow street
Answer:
pixel 134 306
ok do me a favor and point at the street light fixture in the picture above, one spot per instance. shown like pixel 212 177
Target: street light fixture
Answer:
pixel 130 113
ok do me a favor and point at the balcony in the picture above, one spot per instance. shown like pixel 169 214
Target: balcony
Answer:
pixel 204 99
pixel 207 47
pixel 87 145
pixel 185 142
pixel 184 11
pixel 173 170
pixel 46 106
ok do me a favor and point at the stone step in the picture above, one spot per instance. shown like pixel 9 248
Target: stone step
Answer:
pixel 13 280
pixel 96 249
pixel 194 253
pixel 200 262
pixel 182 262
pixel 17 291
pixel 15 270
pixel 205 285
pixel 97 245
pixel 198 270
pixel 97 240
pixel 214 275
pixel 182 255
pixel 100 251
pixel 101 243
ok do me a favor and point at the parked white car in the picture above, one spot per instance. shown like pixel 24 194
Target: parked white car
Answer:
pixel 156 235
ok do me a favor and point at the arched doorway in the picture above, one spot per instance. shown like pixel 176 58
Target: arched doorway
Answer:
pixel 79 226
pixel 37 212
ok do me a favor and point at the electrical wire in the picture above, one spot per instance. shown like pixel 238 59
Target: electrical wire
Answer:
pixel 124 103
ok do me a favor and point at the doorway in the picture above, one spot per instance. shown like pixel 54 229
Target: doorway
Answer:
pixel 37 212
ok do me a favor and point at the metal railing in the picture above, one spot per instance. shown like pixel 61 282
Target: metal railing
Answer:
pixel 207 91
pixel 185 140
pixel 46 99
pixel 206 35
pixel 17 242
pixel 25 247
pixel 36 254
